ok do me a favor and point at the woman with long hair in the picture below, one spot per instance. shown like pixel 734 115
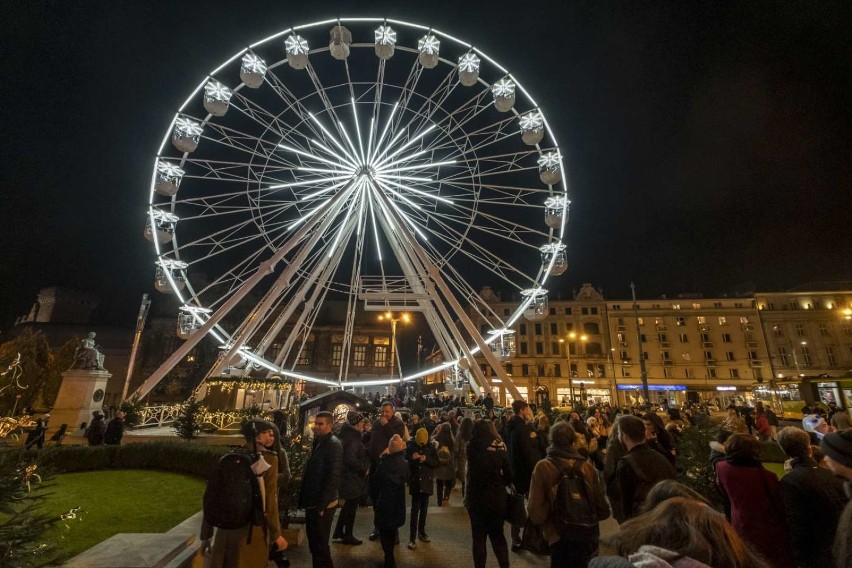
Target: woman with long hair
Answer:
pixel 680 532
pixel 485 499
pixel 460 450
pixel 445 473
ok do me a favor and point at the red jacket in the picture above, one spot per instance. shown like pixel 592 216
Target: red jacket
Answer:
pixel 762 427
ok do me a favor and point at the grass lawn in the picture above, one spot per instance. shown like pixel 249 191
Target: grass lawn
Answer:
pixel 119 501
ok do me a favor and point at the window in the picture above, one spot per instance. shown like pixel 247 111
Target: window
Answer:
pixel 752 355
pixel 538 329
pixel 696 306
pixel 684 338
pixel 708 355
pixel 806 355
pixel 525 370
pixel 620 321
pixel 832 358
pixel 777 331
pixel 625 356
pixel 573 369
pixel 664 338
pixel 794 305
pixel 735 373
pixel 622 337
pixel 758 374
pixel 539 348
pixel 336 353
pixel 554 329
pixel 681 320
pixel 541 372
pixel 726 337
pixel 642 338
pixel 524 348
pixel 584 311
pixel 770 306
pixel 554 348
pixel 594 311
pixel 723 320
pixel 625 371
pixel 823 329
pixel 702 320
pixel 305 354
pixel 675 306
pixel 684 356
pixel 744 320
pixel 729 356
pixel 522 329
pixel 705 338
pixel 380 356
pixel 567 311
pixel 667 373
pixel 784 356
pixel 847 329
pixel 509 369
pixel 591 328
pixel 711 372
pixel 717 304
pixel 800 329
pixel 645 355
pixel 359 356
pixel 617 307
pixel 552 311
pixel 641 321
pixel 590 370
pixel 666 356
pixel 557 370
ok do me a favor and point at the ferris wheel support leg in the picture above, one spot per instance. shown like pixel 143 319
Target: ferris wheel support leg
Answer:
pixel 265 268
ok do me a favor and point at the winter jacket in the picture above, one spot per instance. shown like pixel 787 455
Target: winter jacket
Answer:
pixel 391 477
pixel 353 473
pixel 445 470
pixel 648 556
pixel 321 478
pixel 637 472
pixel 381 434
pixel 542 492
pixel 488 474
pixel 422 474
pixel 614 452
pixel 114 432
pixel 460 455
pixel 762 428
pixel 756 510
pixel 807 489
pixel 523 452
pixel 95 432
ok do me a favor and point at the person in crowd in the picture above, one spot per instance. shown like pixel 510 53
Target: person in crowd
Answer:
pixel 445 472
pixel 488 402
pixel 284 473
pixel 383 429
pixel 429 422
pixel 659 437
pixel 578 547
pixel 640 468
pixel 96 429
pixel 319 494
pixel 460 450
pixel 733 423
pixel 837 449
pixel 614 452
pixel 391 477
pixel 679 533
pixel 419 405
pixel 816 426
pixel 762 429
pixel 488 474
pixel 542 430
pixel 755 500
pixel 805 489
pixel 35 437
pixel 666 489
pixel 771 418
pixel 841 420
pixel 406 433
pixel 115 430
pixel 248 546
pixel 523 455
pixel 422 456
pixel 353 476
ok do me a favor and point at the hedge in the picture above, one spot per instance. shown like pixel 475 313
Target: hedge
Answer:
pixel 179 457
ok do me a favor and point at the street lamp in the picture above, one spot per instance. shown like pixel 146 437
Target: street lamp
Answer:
pixel 847 314
pixel 572 336
pixel 389 316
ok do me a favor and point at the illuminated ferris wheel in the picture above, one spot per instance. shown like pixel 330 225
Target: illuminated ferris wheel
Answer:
pixel 359 160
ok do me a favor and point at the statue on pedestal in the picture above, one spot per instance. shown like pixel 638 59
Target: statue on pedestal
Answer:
pixel 87 356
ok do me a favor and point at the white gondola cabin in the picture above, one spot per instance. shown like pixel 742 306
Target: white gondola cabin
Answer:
pixel 166 269
pixel 189 320
pixel 252 70
pixel 186 134
pixel 168 177
pixel 532 127
pixel 468 69
pixel 385 41
pixel 556 211
pixel 340 38
pixel 504 94
pixel 537 307
pixel 217 97
pixel 160 226
pixel 503 347
pixel 550 168
pixel 428 46
pixel 556 253
pixel 297 51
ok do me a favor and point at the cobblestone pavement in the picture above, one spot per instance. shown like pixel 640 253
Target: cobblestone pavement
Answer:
pixel 449 530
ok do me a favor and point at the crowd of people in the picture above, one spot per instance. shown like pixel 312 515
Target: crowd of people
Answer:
pixel 568 477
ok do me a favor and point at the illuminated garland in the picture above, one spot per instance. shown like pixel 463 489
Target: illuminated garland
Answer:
pixel 227 384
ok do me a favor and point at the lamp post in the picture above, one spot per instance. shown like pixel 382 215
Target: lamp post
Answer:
pixel 389 316
pixel 571 338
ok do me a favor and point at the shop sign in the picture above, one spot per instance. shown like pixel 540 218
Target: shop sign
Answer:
pixel 726 388
pixel 653 387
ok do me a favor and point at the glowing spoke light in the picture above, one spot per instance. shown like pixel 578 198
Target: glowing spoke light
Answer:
pixel 417 191
pixel 308 155
pixel 306 182
pixel 375 231
pixel 420 167
pixel 333 138
pixel 334 154
pixel 358 132
pixel 407 144
pixel 385 131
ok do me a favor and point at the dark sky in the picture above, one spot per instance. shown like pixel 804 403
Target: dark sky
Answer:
pixel 707 143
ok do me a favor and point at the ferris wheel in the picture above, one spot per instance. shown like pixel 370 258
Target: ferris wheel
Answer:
pixel 368 161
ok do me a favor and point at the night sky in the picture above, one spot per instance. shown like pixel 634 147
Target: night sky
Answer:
pixel 707 143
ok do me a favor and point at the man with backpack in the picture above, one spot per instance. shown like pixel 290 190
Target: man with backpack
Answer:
pixel 567 501
pixel 241 503
pixel 320 489
pixel 640 468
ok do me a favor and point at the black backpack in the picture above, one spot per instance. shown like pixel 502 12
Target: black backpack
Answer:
pixel 572 512
pixel 232 498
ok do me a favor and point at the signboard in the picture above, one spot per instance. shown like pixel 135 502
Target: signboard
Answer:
pixel 726 388
pixel 653 387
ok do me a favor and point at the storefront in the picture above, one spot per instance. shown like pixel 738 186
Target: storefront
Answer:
pixel 720 395
pixel 785 396
pixel 632 395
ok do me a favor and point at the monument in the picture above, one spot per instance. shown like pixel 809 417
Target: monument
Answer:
pixel 82 389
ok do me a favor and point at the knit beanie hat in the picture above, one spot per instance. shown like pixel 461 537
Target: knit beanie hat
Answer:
pixel 838 446
pixel 396 444
pixel 354 417
pixel 421 436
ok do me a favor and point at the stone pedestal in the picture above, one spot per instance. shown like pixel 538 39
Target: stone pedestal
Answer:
pixel 81 393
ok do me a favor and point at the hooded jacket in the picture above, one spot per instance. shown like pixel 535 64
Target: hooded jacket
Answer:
pixel 422 479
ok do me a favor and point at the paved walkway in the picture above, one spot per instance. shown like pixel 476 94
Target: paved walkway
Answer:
pixel 449 529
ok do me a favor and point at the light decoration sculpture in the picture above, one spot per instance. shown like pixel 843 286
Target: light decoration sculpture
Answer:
pixel 252 71
pixel 504 94
pixel 532 127
pixel 186 134
pixel 536 304
pixel 385 41
pixel 216 98
pixel 549 168
pixel 428 46
pixel 556 253
pixel 297 51
pixel 468 69
pixel 162 228
pixel 167 179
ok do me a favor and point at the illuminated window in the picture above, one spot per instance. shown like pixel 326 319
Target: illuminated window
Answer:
pixel 305 354
pixel 359 356
pixel 380 356
pixel 723 320
pixel 336 354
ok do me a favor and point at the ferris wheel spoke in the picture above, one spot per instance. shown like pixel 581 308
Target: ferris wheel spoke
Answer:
pixel 291 101
pixel 407 92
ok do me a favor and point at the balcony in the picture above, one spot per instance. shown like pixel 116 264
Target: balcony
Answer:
pixel 751 344
pixel 668 363
pixel 621 328
pixel 710 362
pixel 662 327
pixel 756 363
pixel 704 327
pixel 707 344
pixel 623 344
pixel 665 345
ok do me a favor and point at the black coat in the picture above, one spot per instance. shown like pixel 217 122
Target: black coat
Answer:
pixel 488 474
pixel 637 472
pixel 523 452
pixel 422 478
pixel 813 501
pixel 380 435
pixel 353 474
pixel 114 432
pixel 321 478
pixel 391 477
